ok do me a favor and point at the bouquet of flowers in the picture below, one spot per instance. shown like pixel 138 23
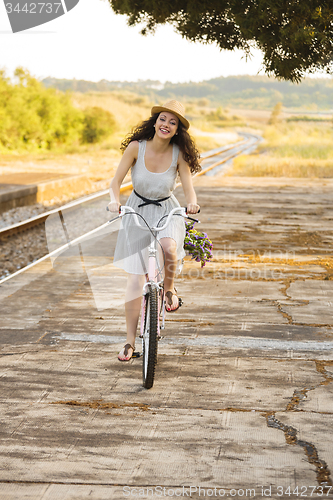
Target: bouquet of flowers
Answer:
pixel 198 244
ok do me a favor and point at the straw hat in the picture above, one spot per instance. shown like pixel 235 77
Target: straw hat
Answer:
pixel 174 107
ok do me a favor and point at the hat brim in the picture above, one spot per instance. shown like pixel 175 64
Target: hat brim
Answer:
pixel 159 109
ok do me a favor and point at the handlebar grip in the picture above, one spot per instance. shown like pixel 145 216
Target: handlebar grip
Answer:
pixel 197 211
pixel 108 210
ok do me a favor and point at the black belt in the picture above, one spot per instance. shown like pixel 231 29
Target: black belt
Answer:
pixel 147 201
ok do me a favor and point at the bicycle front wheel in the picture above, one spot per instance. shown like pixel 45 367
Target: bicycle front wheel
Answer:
pixel 150 337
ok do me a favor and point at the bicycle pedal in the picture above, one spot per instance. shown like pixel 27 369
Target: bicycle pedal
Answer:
pixel 136 354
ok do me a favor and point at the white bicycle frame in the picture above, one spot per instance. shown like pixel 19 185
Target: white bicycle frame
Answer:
pixel 152 255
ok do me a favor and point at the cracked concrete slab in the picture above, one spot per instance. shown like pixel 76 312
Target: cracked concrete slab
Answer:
pixel 244 375
pixel 310 428
pixel 93 372
pixel 311 290
pixel 50 491
pixel 314 313
pixel 131 446
pixel 319 400
pixel 318 302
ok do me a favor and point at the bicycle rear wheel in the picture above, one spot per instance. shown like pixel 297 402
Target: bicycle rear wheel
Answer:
pixel 150 337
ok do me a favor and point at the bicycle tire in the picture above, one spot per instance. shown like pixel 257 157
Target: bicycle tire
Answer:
pixel 150 338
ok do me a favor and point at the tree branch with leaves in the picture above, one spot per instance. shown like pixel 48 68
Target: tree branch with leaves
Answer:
pixel 296 36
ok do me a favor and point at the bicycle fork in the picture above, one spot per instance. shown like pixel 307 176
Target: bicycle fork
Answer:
pixel 151 280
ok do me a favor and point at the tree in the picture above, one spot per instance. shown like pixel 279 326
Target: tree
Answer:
pixel 275 115
pixel 295 36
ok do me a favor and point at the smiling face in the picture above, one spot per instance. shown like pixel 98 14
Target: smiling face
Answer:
pixel 166 125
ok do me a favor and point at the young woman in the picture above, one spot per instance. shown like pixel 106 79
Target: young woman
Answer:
pixel 157 150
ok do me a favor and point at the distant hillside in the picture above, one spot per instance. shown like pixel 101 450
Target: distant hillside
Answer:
pixel 233 91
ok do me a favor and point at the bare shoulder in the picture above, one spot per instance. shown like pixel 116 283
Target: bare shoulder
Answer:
pixel 131 152
pixel 181 163
pixel 133 148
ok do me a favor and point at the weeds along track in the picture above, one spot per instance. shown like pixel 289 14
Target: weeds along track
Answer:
pixel 24 244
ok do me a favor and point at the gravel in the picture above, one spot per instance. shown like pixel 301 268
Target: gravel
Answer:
pixel 20 214
pixel 21 249
pixel 24 248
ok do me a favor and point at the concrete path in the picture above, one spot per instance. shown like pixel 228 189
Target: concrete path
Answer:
pixel 21 189
pixel 242 402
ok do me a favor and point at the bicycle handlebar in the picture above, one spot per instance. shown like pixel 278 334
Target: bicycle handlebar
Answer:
pixel 123 209
pixel 126 209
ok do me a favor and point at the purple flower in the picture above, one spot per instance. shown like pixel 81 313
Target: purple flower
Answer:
pixel 197 244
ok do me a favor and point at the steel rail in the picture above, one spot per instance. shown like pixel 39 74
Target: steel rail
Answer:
pixel 39 219
pixel 240 148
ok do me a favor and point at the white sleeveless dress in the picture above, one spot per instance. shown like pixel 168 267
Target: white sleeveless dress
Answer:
pixel 131 252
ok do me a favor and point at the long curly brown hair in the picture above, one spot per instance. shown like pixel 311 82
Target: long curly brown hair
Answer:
pixel 146 131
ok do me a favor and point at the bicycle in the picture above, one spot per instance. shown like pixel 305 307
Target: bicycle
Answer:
pixel 153 294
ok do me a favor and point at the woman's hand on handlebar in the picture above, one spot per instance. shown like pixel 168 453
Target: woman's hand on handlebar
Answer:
pixel 114 206
pixel 193 208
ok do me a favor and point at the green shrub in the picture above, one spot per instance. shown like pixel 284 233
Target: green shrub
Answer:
pixel 306 118
pixel 97 124
pixel 217 115
pixel 32 116
pixel 203 102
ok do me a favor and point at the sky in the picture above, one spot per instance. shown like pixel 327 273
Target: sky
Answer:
pixel 90 42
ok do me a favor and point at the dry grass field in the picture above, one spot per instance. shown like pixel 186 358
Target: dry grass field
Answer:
pixel 257 117
pixel 290 149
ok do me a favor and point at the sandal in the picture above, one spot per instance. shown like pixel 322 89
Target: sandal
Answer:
pixel 126 348
pixel 169 295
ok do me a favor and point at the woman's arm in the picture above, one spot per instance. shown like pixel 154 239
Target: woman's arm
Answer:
pixel 186 180
pixel 129 157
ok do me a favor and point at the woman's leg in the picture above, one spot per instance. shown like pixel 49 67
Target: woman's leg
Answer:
pixel 133 296
pixel 170 251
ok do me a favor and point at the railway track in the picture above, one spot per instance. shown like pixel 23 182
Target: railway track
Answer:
pixel 212 162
